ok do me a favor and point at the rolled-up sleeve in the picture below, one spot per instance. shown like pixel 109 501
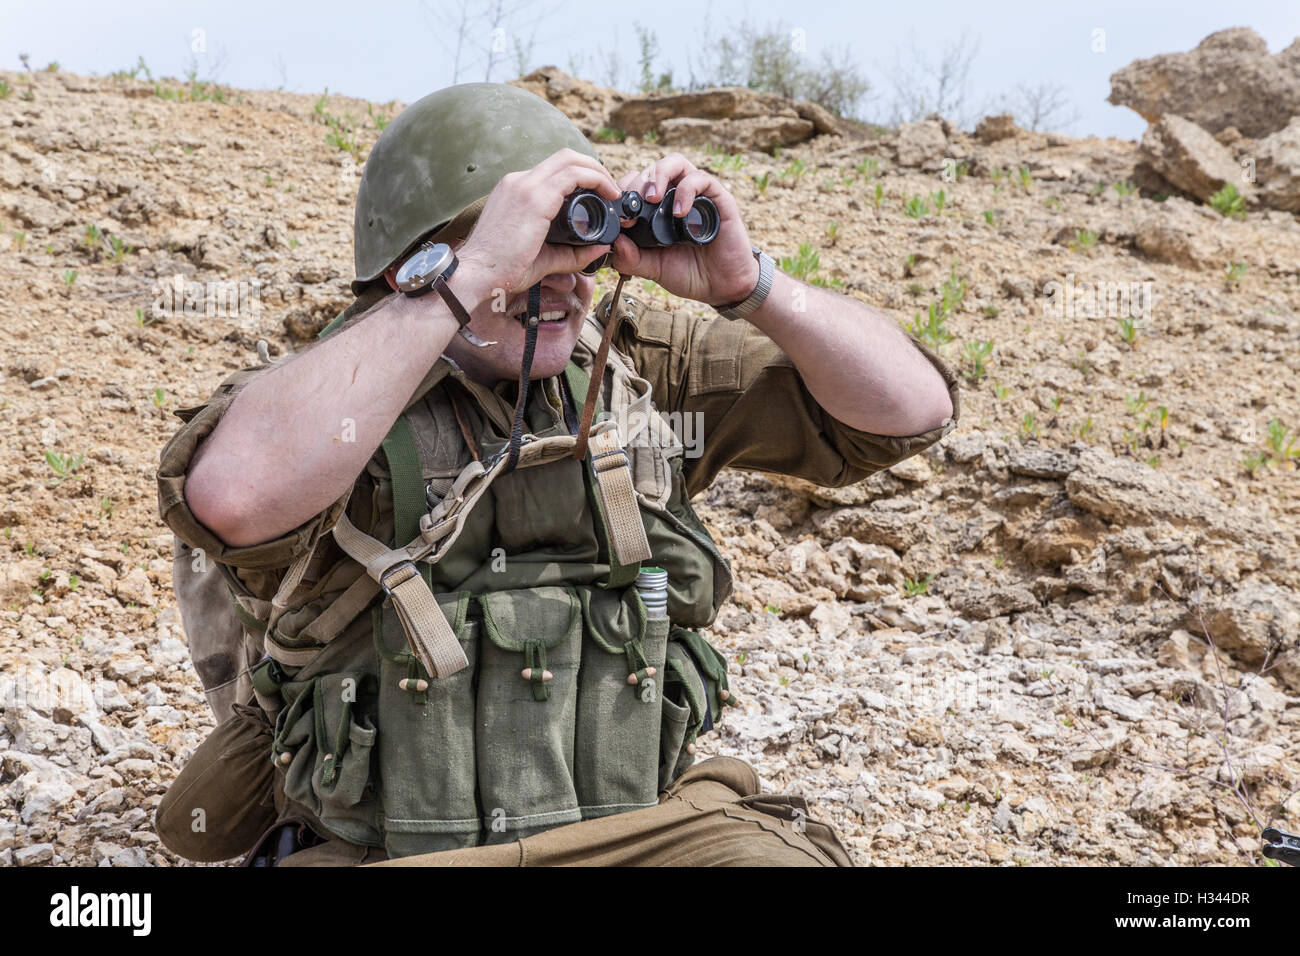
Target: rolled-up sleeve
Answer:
pixel 175 512
pixel 746 399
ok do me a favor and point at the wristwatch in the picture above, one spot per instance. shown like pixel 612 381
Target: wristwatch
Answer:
pixel 429 268
pixel 744 308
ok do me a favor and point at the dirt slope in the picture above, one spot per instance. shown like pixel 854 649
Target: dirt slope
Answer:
pixel 995 653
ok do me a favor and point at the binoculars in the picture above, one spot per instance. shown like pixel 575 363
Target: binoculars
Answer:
pixel 589 219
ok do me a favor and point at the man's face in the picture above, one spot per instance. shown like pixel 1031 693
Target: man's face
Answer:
pixel 566 300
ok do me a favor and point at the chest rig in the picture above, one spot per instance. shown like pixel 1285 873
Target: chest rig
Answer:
pixel 511 679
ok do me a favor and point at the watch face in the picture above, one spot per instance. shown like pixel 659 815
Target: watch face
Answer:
pixel 424 265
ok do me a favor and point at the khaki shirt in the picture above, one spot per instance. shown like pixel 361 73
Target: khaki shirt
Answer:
pixel 727 377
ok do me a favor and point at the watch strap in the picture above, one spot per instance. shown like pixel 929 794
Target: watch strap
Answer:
pixel 749 305
pixel 453 303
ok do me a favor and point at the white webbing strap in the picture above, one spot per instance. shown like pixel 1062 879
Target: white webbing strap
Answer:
pixel 431 638
pixel 613 470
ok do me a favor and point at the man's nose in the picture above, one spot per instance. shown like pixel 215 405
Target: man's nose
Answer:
pixel 563 283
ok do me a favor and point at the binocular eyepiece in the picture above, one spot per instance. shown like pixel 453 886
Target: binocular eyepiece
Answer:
pixel 589 219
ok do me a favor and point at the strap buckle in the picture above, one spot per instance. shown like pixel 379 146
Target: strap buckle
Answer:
pixel 627 461
pixel 383 578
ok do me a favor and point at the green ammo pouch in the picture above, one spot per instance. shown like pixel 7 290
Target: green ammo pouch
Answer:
pixel 616 755
pixel 695 691
pixel 527 710
pixel 324 743
pixel 427 750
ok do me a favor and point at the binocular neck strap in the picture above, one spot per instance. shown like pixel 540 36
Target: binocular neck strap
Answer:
pixel 598 372
pixel 532 323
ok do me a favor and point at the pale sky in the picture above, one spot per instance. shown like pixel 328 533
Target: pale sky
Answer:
pixel 397 50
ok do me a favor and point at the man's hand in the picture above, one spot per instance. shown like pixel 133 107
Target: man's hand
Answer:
pixel 509 239
pixel 723 272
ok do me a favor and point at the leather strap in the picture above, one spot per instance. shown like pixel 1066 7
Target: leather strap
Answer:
pixel 453 303
pixel 598 372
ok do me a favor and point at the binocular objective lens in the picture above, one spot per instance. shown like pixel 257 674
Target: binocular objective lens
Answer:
pixel 700 223
pixel 586 216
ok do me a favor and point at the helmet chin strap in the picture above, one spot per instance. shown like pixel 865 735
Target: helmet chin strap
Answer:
pixel 531 324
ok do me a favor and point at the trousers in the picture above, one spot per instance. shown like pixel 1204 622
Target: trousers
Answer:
pixel 713 815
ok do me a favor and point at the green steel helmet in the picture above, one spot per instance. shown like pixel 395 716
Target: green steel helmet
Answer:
pixel 440 156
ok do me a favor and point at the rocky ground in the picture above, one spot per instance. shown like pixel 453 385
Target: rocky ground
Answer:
pixel 1066 635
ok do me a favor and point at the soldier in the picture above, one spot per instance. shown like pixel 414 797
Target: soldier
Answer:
pixel 434 622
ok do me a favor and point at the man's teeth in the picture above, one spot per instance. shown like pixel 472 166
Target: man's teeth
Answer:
pixel 545 317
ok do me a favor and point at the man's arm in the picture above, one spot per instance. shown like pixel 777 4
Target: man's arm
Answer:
pixel 277 456
pixel 858 365
pixel 856 362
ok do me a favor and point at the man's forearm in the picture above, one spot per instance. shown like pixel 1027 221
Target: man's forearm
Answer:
pixel 296 437
pixel 857 363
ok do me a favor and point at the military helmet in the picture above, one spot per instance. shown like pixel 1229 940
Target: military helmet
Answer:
pixel 442 155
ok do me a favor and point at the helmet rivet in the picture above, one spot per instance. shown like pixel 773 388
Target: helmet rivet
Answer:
pixel 471 167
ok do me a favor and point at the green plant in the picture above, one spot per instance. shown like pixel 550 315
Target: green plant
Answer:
pixel 795 171
pixel 934 331
pixel 651 137
pixel 158 398
pixel 106 507
pixel 771 609
pixel 1125 188
pixel 991 218
pixel 940 200
pixel 762 182
pixel 1026 177
pixel 916 207
pixel 975 354
pixel 991 311
pixel 20 240
pixel 742 658
pixel 1055 402
pixel 806 265
pixel 877 195
pixel 1029 425
pixel 5 90
pixel 1129 330
pixel 832 232
pixel 1233 273
pixel 1137 403
pixel 1001 391
pixel 1228 202
pixel 90 238
pixel 1054 203
pixel 1084 239
pixel 63 466
pixel 120 248
pixel 1281 442
pixel 919 586
pixel 1253 463
pixel 52 66
pixel 74 582
pixel 867 167
pixel 69 277
pixel 954 292
pixel 1084 431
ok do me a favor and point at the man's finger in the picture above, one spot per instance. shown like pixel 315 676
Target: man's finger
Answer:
pixel 663 174
pixel 694 183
